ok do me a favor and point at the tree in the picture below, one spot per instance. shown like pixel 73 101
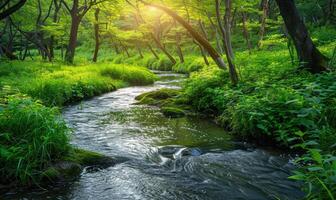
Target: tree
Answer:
pixel 77 12
pixel 197 36
pixel 5 12
pixel 309 56
pixel 264 6
pixel 96 30
pixel 227 40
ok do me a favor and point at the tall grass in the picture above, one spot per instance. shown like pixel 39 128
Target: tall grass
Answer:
pixel 57 84
pixel 31 137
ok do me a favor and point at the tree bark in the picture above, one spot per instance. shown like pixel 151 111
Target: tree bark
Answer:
pixel 140 52
pixel 178 46
pixel 218 37
pixel 309 56
pixel 227 26
pixel 163 49
pixel 96 31
pixel 153 51
pixel 55 20
pixel 246 32
pixel 9 54
pixel 70 51
pixel 11 9
pixel 265 6
pixel 232 68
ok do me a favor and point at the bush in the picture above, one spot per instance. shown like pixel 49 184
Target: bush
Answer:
pixel 31 136
pixel 276 105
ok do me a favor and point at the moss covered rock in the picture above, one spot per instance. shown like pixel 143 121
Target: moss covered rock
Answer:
pixel 72 165
pixel 172 112
pixel 169 100
pixel 161 94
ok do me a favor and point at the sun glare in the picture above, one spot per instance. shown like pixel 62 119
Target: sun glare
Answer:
pixel 152 9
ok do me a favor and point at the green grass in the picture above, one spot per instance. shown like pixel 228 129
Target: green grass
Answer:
pixel 57 84
pixel 32 133
pixel 31 137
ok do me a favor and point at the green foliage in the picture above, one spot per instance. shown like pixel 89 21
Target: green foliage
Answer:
pixel 274 103
pixel 129 74
pixel 32 136
pixel 59 84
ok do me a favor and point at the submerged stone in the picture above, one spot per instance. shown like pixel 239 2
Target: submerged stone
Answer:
pixel 157 97
pixel 172 112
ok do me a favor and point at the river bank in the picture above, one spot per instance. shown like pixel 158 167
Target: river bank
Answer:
pixel 34 137
pixel 185 157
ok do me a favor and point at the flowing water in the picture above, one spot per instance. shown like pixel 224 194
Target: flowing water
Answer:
pixel 162 158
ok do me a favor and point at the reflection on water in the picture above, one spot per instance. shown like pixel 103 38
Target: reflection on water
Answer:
pixel 187 158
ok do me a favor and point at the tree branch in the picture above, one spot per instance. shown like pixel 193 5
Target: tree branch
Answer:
pixel 12 9
pixel 4 4
pixel 66 6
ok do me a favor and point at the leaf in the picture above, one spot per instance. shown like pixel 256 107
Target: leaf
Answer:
pixel 311 143
pixel 262 127
pixel 313 169
pixel 299 133
pixel 316 155
pixel 297 177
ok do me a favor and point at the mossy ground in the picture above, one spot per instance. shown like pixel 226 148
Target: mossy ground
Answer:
pixel 168 100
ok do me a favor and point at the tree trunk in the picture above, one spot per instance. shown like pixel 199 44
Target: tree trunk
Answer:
pixel 12 9
pixel 246 33
pixel 218 37
pixel 163 49
pixel 55 20
pixel 9 54
pixel 264 5
pixel 125 49
pixel 197 36
pixel 227 26
pixel 96 31
pixel 309 56
pixel 116 49
pixel 204 55
pixel 140 52
pixel 232 68
pixel 153 51
pixel 178 47
pixel 70 52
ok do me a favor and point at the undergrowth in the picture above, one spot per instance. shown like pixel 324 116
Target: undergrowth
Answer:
pixel 276 104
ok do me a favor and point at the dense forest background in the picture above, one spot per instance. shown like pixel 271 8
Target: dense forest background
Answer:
pixel 263 69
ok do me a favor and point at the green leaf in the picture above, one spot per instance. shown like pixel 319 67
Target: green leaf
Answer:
pixel 316 155
pixel 313 169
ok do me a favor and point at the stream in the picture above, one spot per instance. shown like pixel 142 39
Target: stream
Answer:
pixel 162 158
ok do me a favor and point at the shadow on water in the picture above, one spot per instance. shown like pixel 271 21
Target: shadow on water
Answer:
pixel 187 158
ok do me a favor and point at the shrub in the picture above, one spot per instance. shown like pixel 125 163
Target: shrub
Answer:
pixel 32 136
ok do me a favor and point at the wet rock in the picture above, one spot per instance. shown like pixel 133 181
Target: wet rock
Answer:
pixel 176 151
pixel 72 165
pixel 172 112
pixel 169 151
pixel 158 97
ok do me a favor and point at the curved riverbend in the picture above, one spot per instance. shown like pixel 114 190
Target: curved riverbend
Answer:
pixel 187 158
